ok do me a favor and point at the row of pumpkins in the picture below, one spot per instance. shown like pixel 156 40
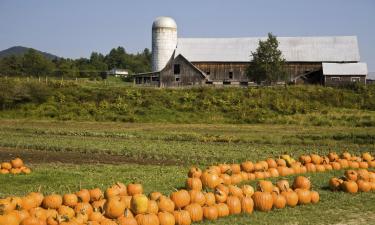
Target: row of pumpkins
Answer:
pixel 127 205
pixel 285 165
pixel 15 166
pixel 354 181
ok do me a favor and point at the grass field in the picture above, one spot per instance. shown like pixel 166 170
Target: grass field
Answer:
pixel 159 155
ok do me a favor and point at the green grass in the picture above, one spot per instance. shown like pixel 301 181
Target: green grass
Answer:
pixel 187 144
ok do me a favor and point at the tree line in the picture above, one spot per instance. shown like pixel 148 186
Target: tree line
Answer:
pixel 33 63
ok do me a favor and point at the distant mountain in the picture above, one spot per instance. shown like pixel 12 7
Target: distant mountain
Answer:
pixel 20 50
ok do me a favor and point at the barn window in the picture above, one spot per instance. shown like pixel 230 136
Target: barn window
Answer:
pixel 177 79
pixel 208 72
pixel 355 79
pixel 335 78
pixel 176 69
pixel 231 75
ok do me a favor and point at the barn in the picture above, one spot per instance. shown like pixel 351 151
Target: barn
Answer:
pixel 177 61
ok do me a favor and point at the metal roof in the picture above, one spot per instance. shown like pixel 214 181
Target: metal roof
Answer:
pixel 295 49
pixel 345 69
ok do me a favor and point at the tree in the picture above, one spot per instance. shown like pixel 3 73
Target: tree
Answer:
pixel 11 66
pixel 268 64
pixel 36 64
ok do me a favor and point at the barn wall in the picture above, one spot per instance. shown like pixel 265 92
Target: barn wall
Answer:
pixel 236 72
pixel 329 80
pixel 188 74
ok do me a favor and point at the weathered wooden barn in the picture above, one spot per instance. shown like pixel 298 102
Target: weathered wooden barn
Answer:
pixel 224 61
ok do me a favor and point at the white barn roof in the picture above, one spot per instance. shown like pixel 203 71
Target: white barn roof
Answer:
pixel 345 69
pixel 295 49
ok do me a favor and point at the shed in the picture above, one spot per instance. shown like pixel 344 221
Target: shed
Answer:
pixel 344 73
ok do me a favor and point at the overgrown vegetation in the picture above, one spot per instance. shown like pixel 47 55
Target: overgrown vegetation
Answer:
pixel 314 105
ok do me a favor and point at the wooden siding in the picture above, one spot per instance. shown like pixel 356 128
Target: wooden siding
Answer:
pixel 339 80
pixel 188 74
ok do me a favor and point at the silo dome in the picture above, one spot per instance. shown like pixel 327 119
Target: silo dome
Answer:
pixel 164 42
pixel 164 22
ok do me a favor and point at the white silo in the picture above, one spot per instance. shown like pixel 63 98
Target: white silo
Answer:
pixel 164 41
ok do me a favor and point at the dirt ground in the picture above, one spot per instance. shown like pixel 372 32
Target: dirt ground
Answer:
pixel 38 157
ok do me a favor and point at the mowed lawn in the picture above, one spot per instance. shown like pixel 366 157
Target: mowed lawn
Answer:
pixel 162 154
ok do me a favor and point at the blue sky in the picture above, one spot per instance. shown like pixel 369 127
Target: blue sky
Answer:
pixel 75 28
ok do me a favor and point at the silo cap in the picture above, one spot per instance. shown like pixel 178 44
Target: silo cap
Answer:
pixel 164 22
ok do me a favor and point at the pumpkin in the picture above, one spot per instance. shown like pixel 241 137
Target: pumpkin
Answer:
pixel 302 182
pixel 283 185
pixel 291 198
pixel 155 195
pixel 220 196
pixel 236 178
pixel 247 166
pixel 235 191
pixel 111 192
pixel 32 221
pixel 247 190
pixel 194 184
pixel 271 163
pixel 11 219
pixel 304 159
pixel 354 165
pixel 210 212
pixel 335 183
pixel 283 171
pixel 314 197
pixel 70 200
pixel 134 188
pixel 351 175
pixel 39 213
pixel 363 174
pixel 262 201
pixel 166 218
pixel 147 219
pixel 259 175
pixel 196 212
pixel 195 172
pixel 363 165
pixel 98 216
pixel 114 208
pixel 165 204
pixel 66 211
pixel 234 205
pixel 350 186
pixel 83 195
pixel 364 186
pixel 95 194
pixel 180 198
pixel 346 155
pixel 104 222
pixel 273 172
pixel 53 201
pixel 316 159
pixel 265 186
pixel 247 205
pixel 336 165
pixel 139 203
pixel 99 205
pixel 4 171
pixel 6 165
pixel 245 176
pixel 152 207
pixel 182 217
pixel 222 209
pixel 333 157
pixel 235 168
pixel 210 179
pixel 197 197
pixel 226 179
pixel 210 198
pixel 304 196
pixel 310 167
pixel 279 201
pixel 17 163
pixel 320 168
pixel 84 207
pixel 223 188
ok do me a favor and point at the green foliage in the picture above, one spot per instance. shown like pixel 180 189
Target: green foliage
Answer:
pixel 314 105
pixel 268 63
pixel 33 63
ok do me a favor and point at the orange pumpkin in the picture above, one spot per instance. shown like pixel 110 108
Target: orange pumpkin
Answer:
pixel 195 172
pixel 196 212
pixel 182 217
pixel 194 184
pixel 165 204
pixel 222 209
pixel 350 186
pixel 114 208
pixel 304 196
pixel 197 197
pixel 70 200
pixel 210 179
pixel 210 212
pixel 147 219
pixel 247 166
pixel 262 201
pixel 291 198
pixel 166 218
pixel 283 185
pixel 335 183
pixel 134 188
pixel 279 201
pixel 247 205
pixel 234 205
pixel 53 201
pixel 210 198
pixel 83 195
pixel 351 175
pixel 247 190
pixel 314 197
pixel 265 186
pixel 364 186
pixel 180 198
pixel 302 182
